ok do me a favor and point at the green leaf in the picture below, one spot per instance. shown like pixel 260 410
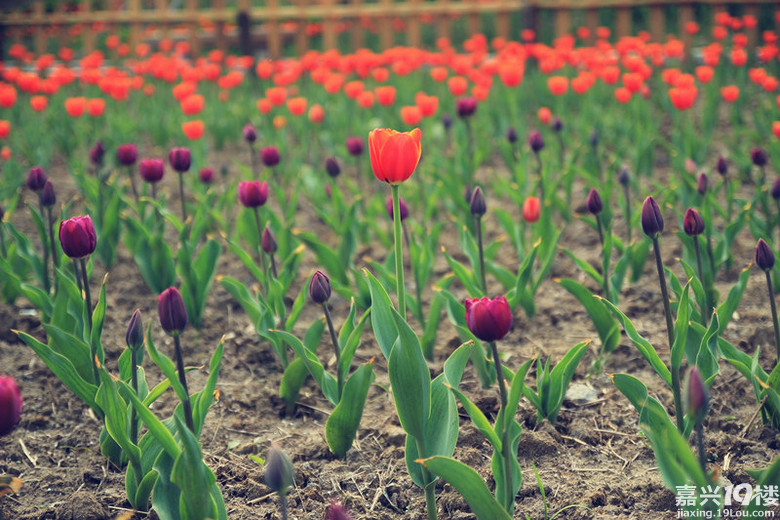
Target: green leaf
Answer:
pixel 293 378
pixel 479 419
pixel 469 484
pixel 190 474
pixel 410 380
pixel 729 306
pixel 463 275
pixel 326 381
pixel 343 423
pixel 680 329
pixel 382 320
pixel 561 376
pixel 606 325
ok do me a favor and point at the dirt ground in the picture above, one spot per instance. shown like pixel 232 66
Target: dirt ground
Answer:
pixel 594 456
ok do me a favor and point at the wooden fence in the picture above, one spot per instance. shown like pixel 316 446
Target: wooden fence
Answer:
pixel 277 22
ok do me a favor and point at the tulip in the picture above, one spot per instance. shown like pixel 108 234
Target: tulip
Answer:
pixel 466 107
pixel 36 178
pixel 693 224
pixel 593 202
pixel 279 475
pixel 536 141
pixel 253 194
pixel 180 160
pixel 404 209
pixel 319 287
pixel 270 246
pixel 250 134
pixel 134 338
pixel 394 155
pixel 319 291
pixel 127 154
pixel 78 237
pixel 765 258
pixel 332 167
pixel 355 146
pixel 270 156
pixel 173 318
pixel 759 157
pixel 722 166
pixel 3 250
pixel 10 405
pixel 478 207
pixel 511 135
pixel 652 220
pixel 96 154
pixel 595 206
pixel 701 184
pixel 477 204
pixel 532 209
pixel 151 170
pixel 48 197
pixel 206 175
pixel 489 320
pixel 698 406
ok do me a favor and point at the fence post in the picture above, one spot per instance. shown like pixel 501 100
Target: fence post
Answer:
pixel 386 24
pixel 39 39
pixel 87 34
pixel 502 19
pixel 474 21
pixel 562 22
pixel 219 28
pixel 357 26
pixel 161 8
pixel 443 24
pixel 301 40
pixel 752 33
pixel 413 26
pixel 244 24
pixel 271 26
pixel 657 23
pixel 623 22
pixel 592 21
pixel 133 9
pixel 328 26
pixel 192 10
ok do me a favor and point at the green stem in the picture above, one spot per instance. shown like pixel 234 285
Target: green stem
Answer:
pixel 181 195
pixel 45 245
pixel 700 445
pixel 478 218
pixel 430 489
pixel 260 255
pixel 88 301
pixel 336 348
pixel 53 246
pixel 773 306
pixel 134 381
pixel 505 447
pixel 273 266
pixel 2 241
pixel 605 274
pixel 541 175
pixel 705 311
pixel 132 184
pixel 183 380
pixel 678 411
pixel 627 196
pixel 399 255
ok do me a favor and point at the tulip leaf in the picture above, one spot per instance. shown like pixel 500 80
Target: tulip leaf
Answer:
pixel 333 264
pixel 410 380
pixel 247 259
pixel 680 329
pixel 98 317
pixel 115 421
pixel 344 421
pixel 382 320
pixel 585 267
pixel 293 378
pixel 524 274
pixel 192 477
pixel 326 381
pixel 729 306
pixel 606 324
pixel 156 427
pixel 350 345
pixel 469 484
pixel 561 376
pixel 203 399
pixel 297 306
pixel 75 349
pixel 479 419
pixel 464 276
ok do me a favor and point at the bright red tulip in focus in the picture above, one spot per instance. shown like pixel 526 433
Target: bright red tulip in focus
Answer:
pixel 488 320
pixel 394 155
pixel 532 209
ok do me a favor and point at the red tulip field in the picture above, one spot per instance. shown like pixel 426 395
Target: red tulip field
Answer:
pixel 485 279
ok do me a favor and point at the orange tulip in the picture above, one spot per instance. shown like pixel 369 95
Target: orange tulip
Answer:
pixel 7 96
pixel 96 107
pixel 511 73
pixel 279 122
pixel 545 115
pixel 353 89
pixel 264 106
pixel 704 73
pixel 39 103
pixel 316 113
pixel 297 106
pixel 457 85
pixel 366 99
pixel 394 155
pixel 623 95
pixel 75 106
pixel 411 115
pixel 729 93
pixel 558 85
pixel 5 129
pixel 192 104
pixel 276 95
pixel 776 129
pixel 385 96
pixel 532 209
pixel 428 104
pixel 439 73
pixel 193 130
pixel 5 153
pixel 683 97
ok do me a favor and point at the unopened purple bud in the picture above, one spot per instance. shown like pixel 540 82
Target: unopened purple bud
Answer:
pixel 48 197
pixel 759 157
pixel 151 170
pixel 250 134
pixel 446 120
pixel 536 141
pixel 96 153
pixel 355 146
pixel 332 167
pixel 511 135
pixel 693 223
pixel 36 179
pixel 466 107
pixel 557 125
pixel 765 257
pixel 698 397
pixel 652 220
pixel 478 204
pixel 594 139
pixel 180 159
pixel 701 185
pixel 206 175
pixel 623 176
pixel 127 154
pixel 172 311
pixel 593 202
pixel 270 156
pixel 279 472
pixel 268 241
pixel 775 190
pixel 403 208
pixel 319 287
pixel 722 166
pixel 135 331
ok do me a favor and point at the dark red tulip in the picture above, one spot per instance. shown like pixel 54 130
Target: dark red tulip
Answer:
pixel 593 202
pixel 270 156
pixel 511 135
pixel 759 156
pixel 332 167
pixel 775 190
pixel 151 170
pixel 78 237
pixel 693 224
pixel 355 146
pixel 488 320
pixel 722 166
pixel 319 287
pixel 701 185
pixel 36 179
pixel 698 397
pixel 466 106
pixel 536 141
pixel 623 176
pixel 127 154
pixel 765 257
pixel 206 175
pixel 10 405
pixel 250 134
pixel 652 220
pixel 252 194
pixel 48 197
pixel 134 337
pixel 478 205
pixel 173 313
pixel 557 124
pixel 96 154
pixel 268 241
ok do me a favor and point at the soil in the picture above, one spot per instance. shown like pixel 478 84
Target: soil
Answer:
pixel 594 457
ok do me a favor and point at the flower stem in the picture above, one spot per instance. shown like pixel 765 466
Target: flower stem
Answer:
pixel 88 301
pixel 183 380
pixel 260 255
pixel 605 274
pixel 700 444
pixel 132 184
pixel 134 381
pixel 478 218
pixel 505 447
pixel 704 312
pixel 430 489
pixel 627 196
pixel 2 241
pixel 336 348
pixel 678 411
pixel 53 246
pixel 773 306
pixel 399 254
pixel 181 195
pixel 45 245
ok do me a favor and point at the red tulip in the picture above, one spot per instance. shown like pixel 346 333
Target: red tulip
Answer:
pixel 10 405
pixel 78 237
pixel 488 320
pixel 394 155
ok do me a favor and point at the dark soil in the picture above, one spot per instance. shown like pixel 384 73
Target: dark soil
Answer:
pixel 594 457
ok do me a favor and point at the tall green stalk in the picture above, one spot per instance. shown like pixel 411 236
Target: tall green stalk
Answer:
pixel 399 254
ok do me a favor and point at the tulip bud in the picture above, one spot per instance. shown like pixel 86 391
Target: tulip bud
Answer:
pixel 96 153
pixel 36 179
pixel 206 175
pixel 270 156
pixel 151 170
pixel 250 134
pixel 690 166
pixel 701 185
pixel 593 202
pixel 78 237
pixel 279 471
pixel 775 190
pixel 253 194
pixel 652 220
pixel 557 125
pixel 172 312
pixel 403 208
pixel 594 139
pixel 180 159
pixel 532 209
pixel 268 241
pixel 466 107
pixel 623 176
pixel 134 337
pixel 765 258
pixel 446 121
pixel 698 397
pixel 511 135
pixel 127 154
pixel 478 205
pixel 536 141
pixel 355 146
pixel 337 511
pixel 48 197
pixel 759 157
pixel 693 224
pixel 319 287
pixel 10 405
pixel 332 167
pixel 488 320
pixel 722 166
